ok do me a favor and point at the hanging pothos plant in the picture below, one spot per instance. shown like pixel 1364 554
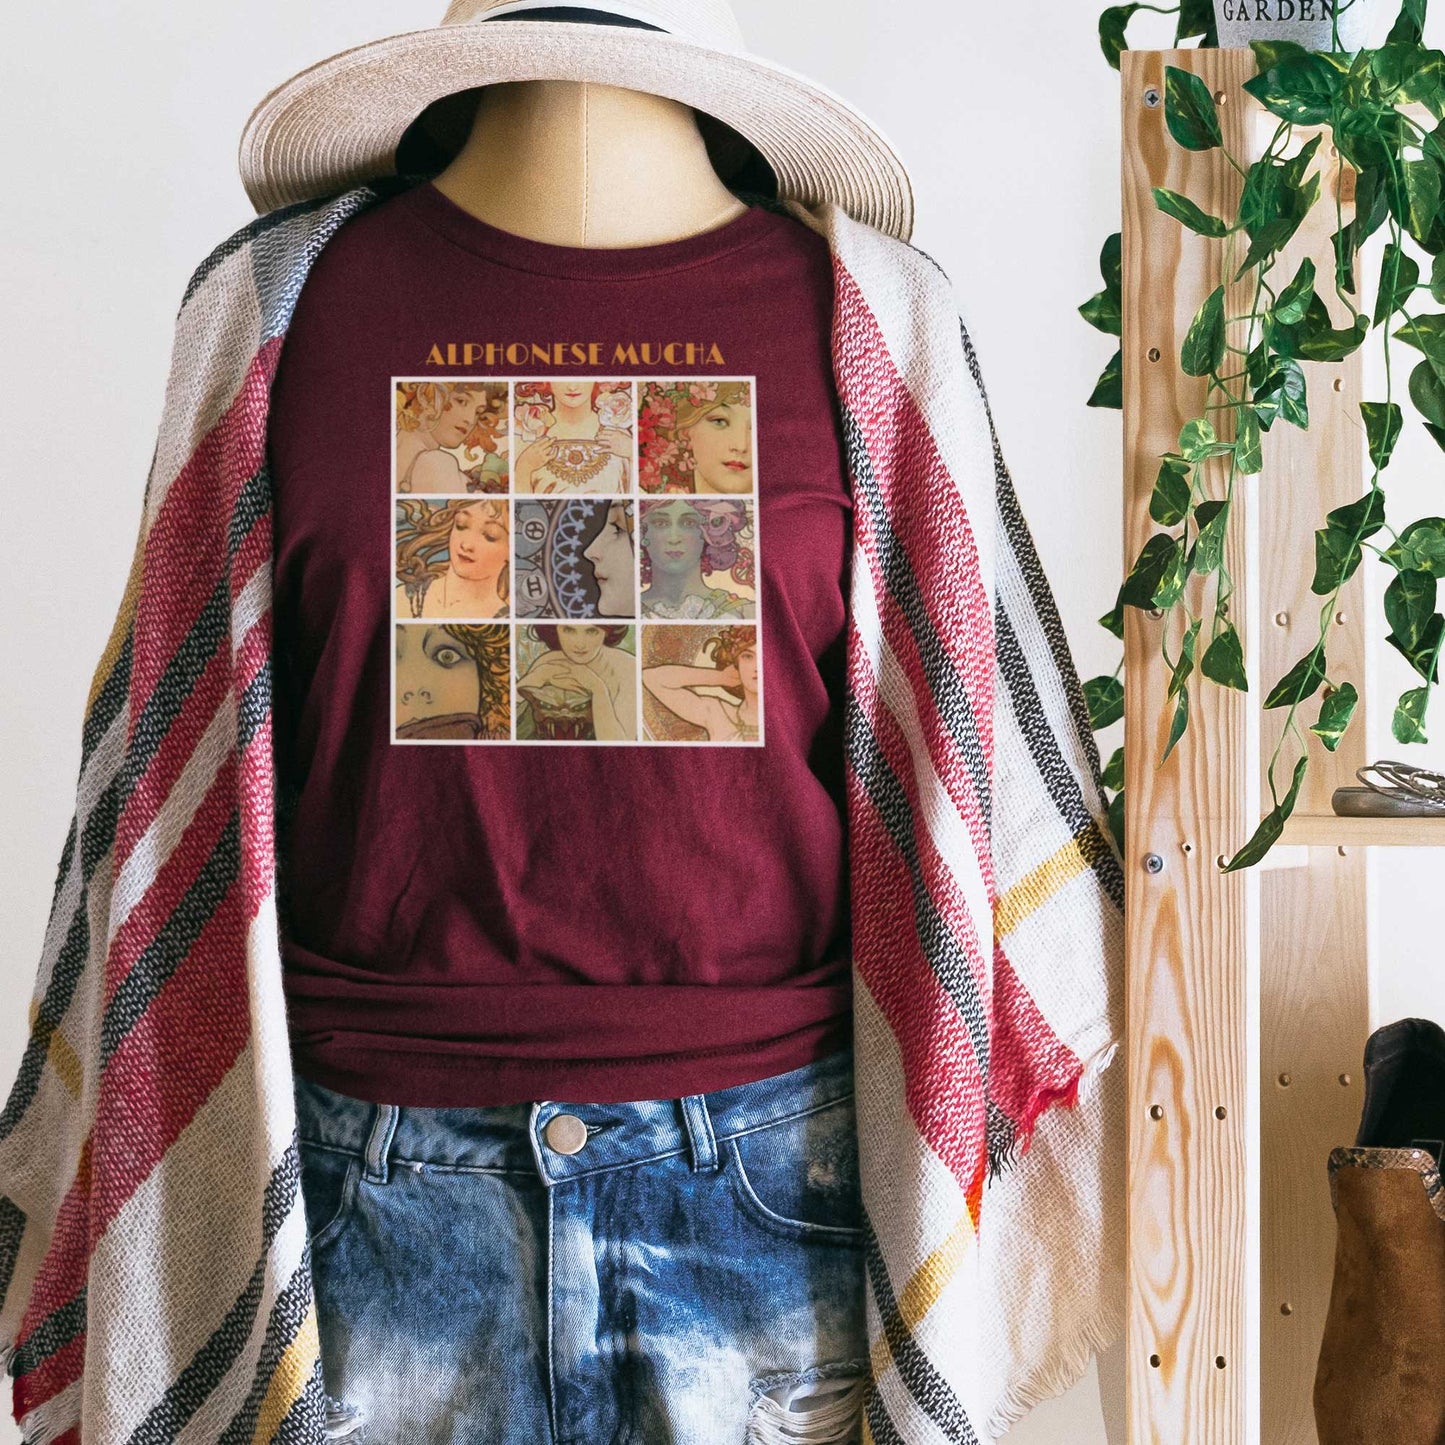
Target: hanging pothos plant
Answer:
pixel 1363 101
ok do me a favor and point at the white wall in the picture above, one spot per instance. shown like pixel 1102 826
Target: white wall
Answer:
pixel 121 126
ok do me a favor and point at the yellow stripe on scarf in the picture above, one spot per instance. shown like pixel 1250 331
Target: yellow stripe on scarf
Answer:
pixel 289 1379
pixel 922 1291
pixel 1035 889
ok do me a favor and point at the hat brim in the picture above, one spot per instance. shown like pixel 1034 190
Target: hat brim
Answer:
pixel 338 122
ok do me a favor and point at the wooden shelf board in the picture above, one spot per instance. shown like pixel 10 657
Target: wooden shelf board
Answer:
pixel 1327 830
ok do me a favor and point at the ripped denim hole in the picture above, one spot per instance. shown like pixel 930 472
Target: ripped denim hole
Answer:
pixel 343 1422
pixel 808 1411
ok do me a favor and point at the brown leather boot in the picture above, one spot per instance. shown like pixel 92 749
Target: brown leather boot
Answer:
pixel 1381 1373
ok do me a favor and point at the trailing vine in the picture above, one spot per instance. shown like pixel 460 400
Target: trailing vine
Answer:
pixel 1251 364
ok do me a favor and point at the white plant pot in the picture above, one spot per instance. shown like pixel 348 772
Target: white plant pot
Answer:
pixel 1307 22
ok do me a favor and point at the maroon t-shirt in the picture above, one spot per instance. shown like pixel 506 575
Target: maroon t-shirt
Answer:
pixel 560 580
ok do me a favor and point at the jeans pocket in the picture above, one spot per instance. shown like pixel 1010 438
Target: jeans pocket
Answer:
pixel 329 1180
pixel 799 1176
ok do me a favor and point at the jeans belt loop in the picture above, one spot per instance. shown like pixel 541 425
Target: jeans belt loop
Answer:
pixel 702 1142
pixel 378 1143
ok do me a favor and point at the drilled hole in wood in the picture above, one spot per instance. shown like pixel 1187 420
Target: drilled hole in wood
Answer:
pixel 1154 353
pixel 1343 851
pixel 1156 1111
pixel 1338 384
pixel 1286 1308
pixel 1220 1112
pixel 1187 847
pixel 1220 97
pixel 1340 619
pixel 1219 1362
pixel 1281 619
pixel 1155 1361
pixel 1285 1081
pixel 1344 1081
pixel 1220 861
pixel 1156 613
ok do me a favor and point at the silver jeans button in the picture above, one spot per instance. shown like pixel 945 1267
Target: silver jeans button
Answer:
pixel 565 1133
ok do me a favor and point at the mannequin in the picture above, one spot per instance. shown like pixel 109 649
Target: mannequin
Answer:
pixel 560 161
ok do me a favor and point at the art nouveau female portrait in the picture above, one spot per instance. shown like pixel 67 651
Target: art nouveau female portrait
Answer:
pixel 451 682
pixel 696 436
pixel 451 436
pixel 573 436
pixel 702 684
pixel 452 558
pixel 685 542
pixel 577 682
pixel 576 558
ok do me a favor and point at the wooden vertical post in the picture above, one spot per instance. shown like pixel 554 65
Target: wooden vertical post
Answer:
pixel 1192 931
pixel 1247 993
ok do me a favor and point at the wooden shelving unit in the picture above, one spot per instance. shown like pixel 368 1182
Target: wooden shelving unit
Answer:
pixel 1247 993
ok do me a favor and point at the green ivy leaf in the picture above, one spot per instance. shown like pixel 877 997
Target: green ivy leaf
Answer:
pixel 1211 518
pixel 1283 393
pixel 1112 24
pixel 1409 608
pixel 1270 53
pixel 1113 620
pixel 1437 277
pixel 1420 548
pixel 1299 88
pixel 1399 274
pixel 1179 723
pixel 1223 661
pixel 1116 818
pixel 1105 699
pixel 1336 710
pixel 1189 110
pixel 1114 770
pixel 1295 297
pixel 1370 134
pixel 1185 211
pixel 1203 348
pixel 1169 503
pixel 1337 543
pixel 1198 440
pixel 1427 391
pixel 1249 456
pixel 1383 420
pixel 1185 665
pixel 1299 682
pixel 1316 338
pixel 1101 311
pixel 1109 389
pixel 1271 826
pixel 1424 657
pixel 1425 333
pixel 1111 261
pixel 1409 24
pixel 1196 17
pixel 1422 198
pixel 1408 723
pixel 1343 242
pixel 1176 574
pixel 1156 558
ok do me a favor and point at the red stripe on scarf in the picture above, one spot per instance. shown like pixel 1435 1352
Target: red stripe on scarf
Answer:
pixel 936 535
pixel 1030 1068
pixel 185 550
pixel 950 766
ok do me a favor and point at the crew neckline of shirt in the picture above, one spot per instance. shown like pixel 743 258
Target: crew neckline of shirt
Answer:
pixel 592 263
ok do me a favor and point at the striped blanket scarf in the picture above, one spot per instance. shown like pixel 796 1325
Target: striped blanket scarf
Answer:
pixel 155 1272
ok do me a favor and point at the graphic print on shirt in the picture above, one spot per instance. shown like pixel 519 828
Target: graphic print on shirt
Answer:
pixel 576 561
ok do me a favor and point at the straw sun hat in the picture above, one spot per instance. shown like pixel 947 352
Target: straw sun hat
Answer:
pixel 405 103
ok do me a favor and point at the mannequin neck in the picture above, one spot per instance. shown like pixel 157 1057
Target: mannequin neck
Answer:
pixel 577 164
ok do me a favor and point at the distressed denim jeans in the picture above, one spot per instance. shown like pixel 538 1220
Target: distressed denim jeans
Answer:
pixel 680 1271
